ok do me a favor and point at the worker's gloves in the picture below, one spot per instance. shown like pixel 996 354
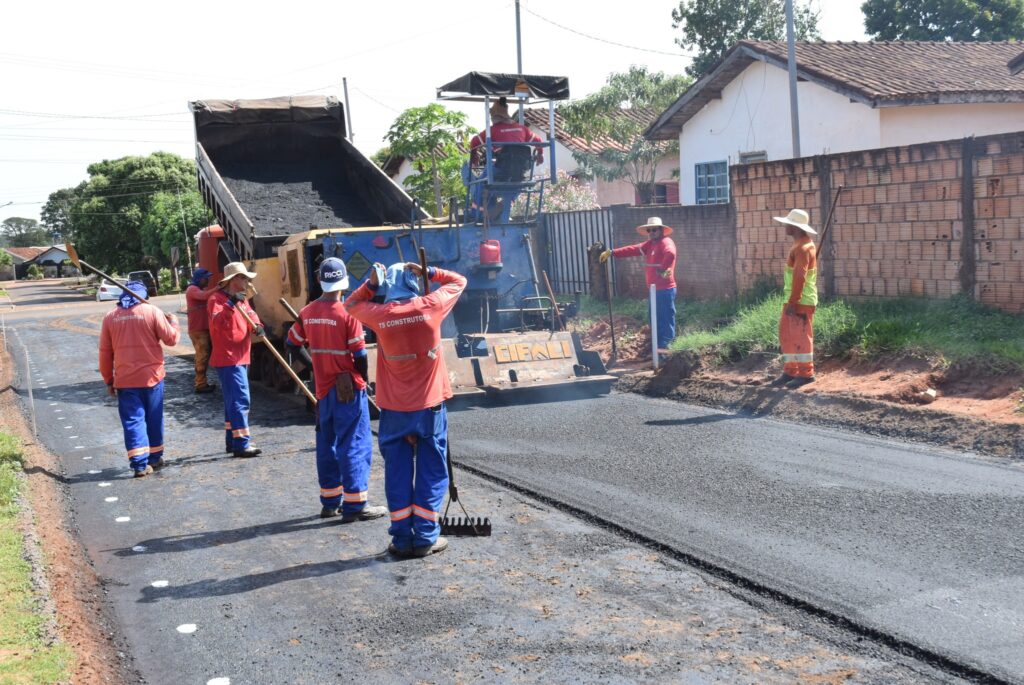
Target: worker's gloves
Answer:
pixel 260 331
pixel 239 296
pixel 605 255
pixel 666 273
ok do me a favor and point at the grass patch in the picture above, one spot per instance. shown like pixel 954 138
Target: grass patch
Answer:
pixel 957 330
pixel 25 656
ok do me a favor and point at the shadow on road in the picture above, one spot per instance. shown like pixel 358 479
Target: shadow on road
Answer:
pixel 215 588
pixel 694 420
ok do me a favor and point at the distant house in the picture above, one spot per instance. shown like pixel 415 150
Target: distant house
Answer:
pixel 49 258
pixel 852 96
pixel 1016 64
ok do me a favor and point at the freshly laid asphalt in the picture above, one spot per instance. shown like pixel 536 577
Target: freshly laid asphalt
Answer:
pixel 219 568
pixel 920 544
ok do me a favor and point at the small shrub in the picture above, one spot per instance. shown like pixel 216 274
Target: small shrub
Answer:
pixel 165 282
pixel 34 272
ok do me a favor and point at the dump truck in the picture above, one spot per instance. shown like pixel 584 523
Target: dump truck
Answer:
pixel 289 189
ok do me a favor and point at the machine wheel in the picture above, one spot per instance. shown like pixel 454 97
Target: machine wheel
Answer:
pixel 256 364
pixel 282 381
pixel 268 369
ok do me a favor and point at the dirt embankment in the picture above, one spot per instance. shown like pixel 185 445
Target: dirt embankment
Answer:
pixel 964 407
pixel 76 592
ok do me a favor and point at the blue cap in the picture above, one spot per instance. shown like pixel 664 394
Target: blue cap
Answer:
pixel 333 275
pixel 400 283
pixel 126 301
pixel 199 274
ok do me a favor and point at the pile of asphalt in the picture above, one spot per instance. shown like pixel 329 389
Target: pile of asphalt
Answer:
pixel 286 198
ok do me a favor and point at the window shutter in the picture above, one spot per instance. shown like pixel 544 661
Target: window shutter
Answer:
pixel 672 193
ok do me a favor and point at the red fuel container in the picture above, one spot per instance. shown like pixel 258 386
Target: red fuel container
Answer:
pixel 490 254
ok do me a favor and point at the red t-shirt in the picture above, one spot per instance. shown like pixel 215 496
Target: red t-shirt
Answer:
pixel 195 305
pixel 333 336
pixel 659 255
pixel 411 374
pixel 230 335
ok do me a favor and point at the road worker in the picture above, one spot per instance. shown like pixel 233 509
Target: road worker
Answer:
pixel 344 444
pixel 659 253
pixel 132 366
pixel 796 325
pixel 196 295
pixel 412 387
pixel 231 335
pixel 511 163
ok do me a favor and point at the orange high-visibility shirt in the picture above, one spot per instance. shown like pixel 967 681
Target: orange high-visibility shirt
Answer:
pixel 334 336
pixel 411 373
pixel 130 352
pixel 230 335
pixel 659 256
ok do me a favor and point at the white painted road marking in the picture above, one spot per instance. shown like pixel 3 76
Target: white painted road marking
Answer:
pixel 123 519
pixel 159 583
pixel 186 628
pixel 109 499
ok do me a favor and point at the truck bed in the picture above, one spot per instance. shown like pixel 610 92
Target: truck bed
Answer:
pixel 284 198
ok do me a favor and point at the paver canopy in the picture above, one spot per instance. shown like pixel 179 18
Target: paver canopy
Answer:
pixel 478 84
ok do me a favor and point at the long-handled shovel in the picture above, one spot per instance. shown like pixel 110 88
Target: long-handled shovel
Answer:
pixel 277 355
pixel 611 317
pixel 82 266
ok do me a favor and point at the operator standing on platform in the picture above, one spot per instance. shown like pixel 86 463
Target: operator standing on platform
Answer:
pixel 412 387
pixel 132 366
pixel 231 337
pixel 196 296
pixel 659 253
pixel 344 446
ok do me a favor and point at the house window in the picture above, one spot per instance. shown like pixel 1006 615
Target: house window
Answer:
pixel 753 157
pixel 661 194
pixel 712 182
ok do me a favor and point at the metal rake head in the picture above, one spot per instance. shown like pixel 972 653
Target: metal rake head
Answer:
pixel 466 526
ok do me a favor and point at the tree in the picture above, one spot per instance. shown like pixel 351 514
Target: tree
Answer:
pixel 940 20
pixel 21 232
pixel 714 26
pixel 55 212
pixel 620 112
pixel 430 137
pixel 107 212
pixel 163 227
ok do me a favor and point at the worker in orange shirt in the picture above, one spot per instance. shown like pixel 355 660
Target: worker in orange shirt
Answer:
pixel 196 295
pixel 412 387
pixel 659 253
pixel 232 339
pixel 132 366
pixel 796 325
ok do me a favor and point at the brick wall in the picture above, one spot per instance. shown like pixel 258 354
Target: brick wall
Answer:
pixel 928 220
pixel 705 249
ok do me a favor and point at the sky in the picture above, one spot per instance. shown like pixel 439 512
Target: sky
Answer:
pixel 87 81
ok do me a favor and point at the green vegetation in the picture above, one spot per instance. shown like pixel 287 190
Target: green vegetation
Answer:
pixel 27 658
pixel 34 272
pixel 957 330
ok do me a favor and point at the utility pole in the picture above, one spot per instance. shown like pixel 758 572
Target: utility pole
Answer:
pixel 519 59
pixel 188 248
pixel 794 112
pixel 348 111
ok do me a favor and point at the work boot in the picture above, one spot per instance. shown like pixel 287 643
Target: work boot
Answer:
pixel 400 553
pixel 158 464
pixel 440 545
pixel 799 382
pixel 248 452
pixel 781 380
pixel 205 389
pixel 329 512
pixel 366 514
pixel 142 473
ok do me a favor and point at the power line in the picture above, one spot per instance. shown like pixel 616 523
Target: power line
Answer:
pixel 59 115
pixel 605 40
pixel 76 139
pixel 373 99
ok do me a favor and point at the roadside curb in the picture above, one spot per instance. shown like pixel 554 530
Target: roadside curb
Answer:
pixel 874 417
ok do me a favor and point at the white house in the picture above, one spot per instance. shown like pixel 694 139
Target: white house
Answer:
pixel 852 96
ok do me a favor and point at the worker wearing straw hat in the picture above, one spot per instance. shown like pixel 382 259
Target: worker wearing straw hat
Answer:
pixel 231 335
pixel 796 325
pixel 659 253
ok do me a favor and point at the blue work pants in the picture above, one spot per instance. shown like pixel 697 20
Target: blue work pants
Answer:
pixel 415 479
pixel 234 383
pixel 344 448
pixel 142 418
pixel 665 307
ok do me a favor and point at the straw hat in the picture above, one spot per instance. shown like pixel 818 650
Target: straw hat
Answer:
pixel 235 269
pixel 798 218
pixel 653 222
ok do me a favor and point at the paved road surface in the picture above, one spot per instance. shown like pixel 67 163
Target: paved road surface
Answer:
pixel 919 543
pixel 275 595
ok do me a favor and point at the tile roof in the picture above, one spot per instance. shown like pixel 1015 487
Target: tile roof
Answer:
pixel 1016 64
pixel 881 74
pixel 26 253
pixel 538 118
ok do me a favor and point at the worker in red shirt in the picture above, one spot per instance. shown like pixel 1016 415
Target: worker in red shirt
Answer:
pixel 412 387
pixel 132 366
pixel 511 162
pixel 796 324
pixel 231 336
pixel 196 295
pixel 659 253
pixel 344 446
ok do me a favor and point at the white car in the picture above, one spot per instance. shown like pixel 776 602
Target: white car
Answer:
pixel 108 291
